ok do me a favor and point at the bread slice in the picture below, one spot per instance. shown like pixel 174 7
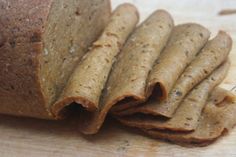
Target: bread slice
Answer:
pixel 89 77
pixel 185 42
pixel 214 53
pixel 217 119
pixel 127 79
pixel 189 112
pixel 41 43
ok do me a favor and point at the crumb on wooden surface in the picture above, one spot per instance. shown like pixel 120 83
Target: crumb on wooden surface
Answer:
pixel 227 12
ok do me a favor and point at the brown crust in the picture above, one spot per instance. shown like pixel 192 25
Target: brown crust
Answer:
pixel 22 25
pixel 23 30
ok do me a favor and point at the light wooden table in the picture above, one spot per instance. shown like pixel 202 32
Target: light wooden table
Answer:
pixel 23 137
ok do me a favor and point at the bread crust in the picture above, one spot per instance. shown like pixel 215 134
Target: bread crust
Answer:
pixel 22 24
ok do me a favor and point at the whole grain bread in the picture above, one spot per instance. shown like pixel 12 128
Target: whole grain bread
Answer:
pixel 48 61
pixel 41 43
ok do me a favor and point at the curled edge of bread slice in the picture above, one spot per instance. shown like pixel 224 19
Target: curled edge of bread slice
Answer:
pixel 215 122
pixel 211 56
pixel 89 77
pixel 127 80
pixel 188 114
pixel 179 53
pixel 185 42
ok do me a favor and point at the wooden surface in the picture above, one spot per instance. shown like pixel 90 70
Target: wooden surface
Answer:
pixel 23 137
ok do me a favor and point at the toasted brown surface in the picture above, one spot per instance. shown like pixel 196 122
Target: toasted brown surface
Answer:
pixel 211 56
pixel 189 112
pixel 127 80
pixel 30 75
pixel 89 77
pixel 215 121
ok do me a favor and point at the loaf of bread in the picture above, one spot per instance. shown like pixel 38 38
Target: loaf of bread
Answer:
pixel 157 77
pixel 41 42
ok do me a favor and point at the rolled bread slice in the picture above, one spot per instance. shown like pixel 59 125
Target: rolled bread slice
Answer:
pixel 185 42
pixel 89 77
pixel 211 56
pixel 189 112
pixel 41 43
pixel 127 80
pixel 217 119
